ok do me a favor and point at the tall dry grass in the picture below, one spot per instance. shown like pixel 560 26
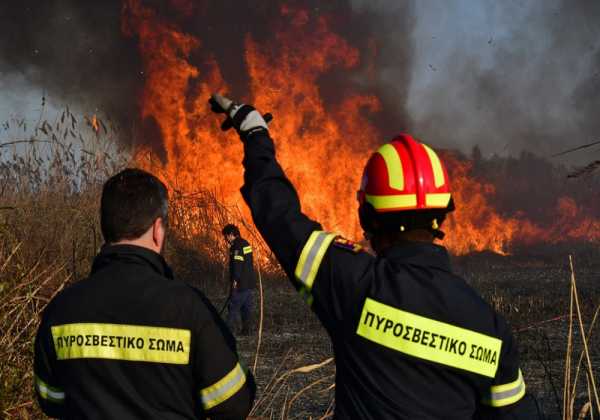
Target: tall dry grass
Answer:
pixel 50 178
pixel 584 361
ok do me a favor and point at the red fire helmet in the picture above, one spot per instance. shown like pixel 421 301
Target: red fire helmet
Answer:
pixel 404 175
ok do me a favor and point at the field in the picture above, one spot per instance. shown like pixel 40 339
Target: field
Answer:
pixel 533 297
pixel 49 234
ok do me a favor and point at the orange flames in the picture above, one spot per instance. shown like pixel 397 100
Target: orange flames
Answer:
pixel 477 226
pixel 322 149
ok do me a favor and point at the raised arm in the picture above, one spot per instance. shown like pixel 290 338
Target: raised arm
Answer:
pixel 303 249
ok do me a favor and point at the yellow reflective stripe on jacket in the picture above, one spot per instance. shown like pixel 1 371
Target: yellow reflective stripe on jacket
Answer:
pixel 247 250
pixel 506 394
pixel 223 389
pixel 238 258
pixel 47 392
pixel 311 256
pixel 429 339
pixel 122 342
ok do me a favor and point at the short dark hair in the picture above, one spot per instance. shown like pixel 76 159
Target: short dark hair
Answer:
pixel 131 201
pixel 231 230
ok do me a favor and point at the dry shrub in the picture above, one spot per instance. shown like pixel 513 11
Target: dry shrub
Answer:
pixel 50 180
pixel 584 363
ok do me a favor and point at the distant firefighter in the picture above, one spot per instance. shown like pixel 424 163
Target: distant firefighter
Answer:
pixel 411 339
pixel 240 303
pixel 131 341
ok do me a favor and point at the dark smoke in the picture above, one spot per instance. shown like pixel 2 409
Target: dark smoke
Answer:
pixel 223 27
pixel 506 76
pixel 72 50
pixel 523 75
pixel 75 50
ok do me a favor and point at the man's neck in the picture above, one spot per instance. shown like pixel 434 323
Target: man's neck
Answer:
pixel 382 242
pixel 138 242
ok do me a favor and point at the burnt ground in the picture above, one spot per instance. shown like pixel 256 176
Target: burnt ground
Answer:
pixel 532 294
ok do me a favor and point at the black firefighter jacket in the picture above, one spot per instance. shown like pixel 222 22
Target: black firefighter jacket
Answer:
pixel 131 342
pixel 411 339
pixel 241 267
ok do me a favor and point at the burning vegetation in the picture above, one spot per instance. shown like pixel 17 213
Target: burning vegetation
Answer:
pixel 322 143
pixel 317 81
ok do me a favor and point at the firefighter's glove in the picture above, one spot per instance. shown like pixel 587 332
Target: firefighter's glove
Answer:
pixel 244 118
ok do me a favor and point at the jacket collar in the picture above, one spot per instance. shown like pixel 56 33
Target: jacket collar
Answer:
pixel 110 254
pixel 419 253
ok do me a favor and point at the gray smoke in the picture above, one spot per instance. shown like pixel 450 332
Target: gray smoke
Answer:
pixel 507 76
pixel 70 52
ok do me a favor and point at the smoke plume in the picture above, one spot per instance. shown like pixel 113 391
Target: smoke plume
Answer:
pixel 71 51
pixel 77 53
pixel 507 76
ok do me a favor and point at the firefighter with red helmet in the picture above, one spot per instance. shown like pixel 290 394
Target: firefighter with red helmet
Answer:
pixel 411 339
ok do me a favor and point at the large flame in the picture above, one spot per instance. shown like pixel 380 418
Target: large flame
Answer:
pixel 322 149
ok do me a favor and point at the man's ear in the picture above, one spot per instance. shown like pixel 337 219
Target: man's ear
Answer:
pixel 158 233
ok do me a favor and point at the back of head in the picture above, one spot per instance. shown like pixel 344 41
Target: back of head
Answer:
pixel 231 229
pixel 131 201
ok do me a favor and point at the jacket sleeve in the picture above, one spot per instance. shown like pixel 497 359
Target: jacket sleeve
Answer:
pixel 49 393
pixel 301 246
pixel 226 389
pixel 506 399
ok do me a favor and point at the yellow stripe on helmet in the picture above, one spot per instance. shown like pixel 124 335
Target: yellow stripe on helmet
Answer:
pixel 389 202
pixel 437 200
pixel 436 165
pixel 394 166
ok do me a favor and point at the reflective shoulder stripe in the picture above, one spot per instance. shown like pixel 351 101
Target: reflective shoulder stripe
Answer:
pixel 311 256
pixel 506 394
pixel 247 249
pixel 224 388
pixel 49 393
pixel 238 258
